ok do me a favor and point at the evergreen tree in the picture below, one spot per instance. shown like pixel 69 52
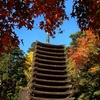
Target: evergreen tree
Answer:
pixel 12 77
pixel 74 37
pixel 31 49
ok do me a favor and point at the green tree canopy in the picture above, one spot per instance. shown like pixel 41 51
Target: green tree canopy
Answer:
pixel 74 36
pixel 12 77
pixel 31 49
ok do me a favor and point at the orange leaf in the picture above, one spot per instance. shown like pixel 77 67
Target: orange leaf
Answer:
pixel 48 21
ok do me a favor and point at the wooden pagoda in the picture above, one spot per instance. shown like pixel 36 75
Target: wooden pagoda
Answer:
pixel 49 79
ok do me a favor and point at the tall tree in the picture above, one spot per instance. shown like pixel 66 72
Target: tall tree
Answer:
pixel 31 49
pixel 28 62
pixel 28 66
pixel 84 66
pixel 74 37
pixel 12 77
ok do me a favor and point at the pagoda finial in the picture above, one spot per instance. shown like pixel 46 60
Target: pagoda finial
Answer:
pixel 47 38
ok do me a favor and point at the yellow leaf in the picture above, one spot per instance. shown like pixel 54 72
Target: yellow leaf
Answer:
pixel 28 65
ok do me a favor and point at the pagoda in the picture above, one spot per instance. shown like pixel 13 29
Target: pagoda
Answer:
pixel 49 78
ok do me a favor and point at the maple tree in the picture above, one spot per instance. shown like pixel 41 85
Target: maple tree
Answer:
pixel 21 13
pixel 84 65
pixel 85 46
pixel 87 13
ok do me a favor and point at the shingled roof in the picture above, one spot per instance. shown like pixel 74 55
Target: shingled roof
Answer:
pixel 49 79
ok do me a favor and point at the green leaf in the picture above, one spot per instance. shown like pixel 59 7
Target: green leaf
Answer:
pixel 97 92
pixel 6 76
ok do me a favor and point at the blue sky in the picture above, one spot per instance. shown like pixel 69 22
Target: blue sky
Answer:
pixel 30 36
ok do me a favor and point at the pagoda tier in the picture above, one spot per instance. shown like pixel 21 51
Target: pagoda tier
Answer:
pixel 49 79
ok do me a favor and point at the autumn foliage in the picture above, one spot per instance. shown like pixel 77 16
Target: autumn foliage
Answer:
pixel 83 64
pixel 19 13
pixel 28 66
pixel 87 13
pixel 86 50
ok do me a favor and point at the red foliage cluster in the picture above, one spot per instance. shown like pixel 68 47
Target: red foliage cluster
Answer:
pixel 22 13
pixel 87 13
pixel 86 52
